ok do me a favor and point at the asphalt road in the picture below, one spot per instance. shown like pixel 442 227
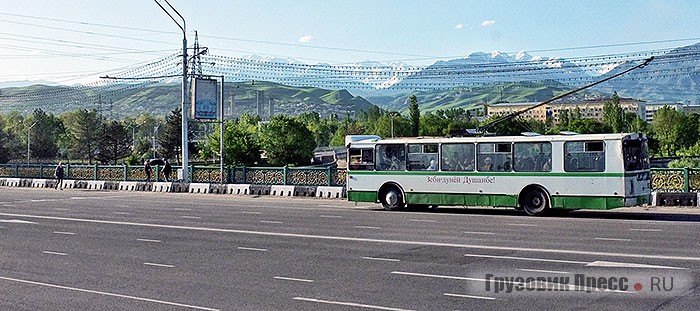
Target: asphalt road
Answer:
pixel 97 250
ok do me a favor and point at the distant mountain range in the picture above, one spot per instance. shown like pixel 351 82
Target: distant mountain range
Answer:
pixel 160 99
pixel 458 83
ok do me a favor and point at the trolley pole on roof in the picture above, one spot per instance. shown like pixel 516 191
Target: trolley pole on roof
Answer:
pixel 183 103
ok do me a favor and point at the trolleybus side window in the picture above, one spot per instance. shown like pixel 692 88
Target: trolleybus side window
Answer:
pixel 391 157
pixel 361 159
pixel 422 157
pixel 584 156
pixel 494 157
pixel 457 157
pixel 533 157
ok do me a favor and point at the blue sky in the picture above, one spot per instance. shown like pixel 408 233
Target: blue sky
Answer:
pixel 78 40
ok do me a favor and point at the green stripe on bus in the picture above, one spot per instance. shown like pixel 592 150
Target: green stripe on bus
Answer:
pixel 502 200
pixel 362 196
pixel 512 174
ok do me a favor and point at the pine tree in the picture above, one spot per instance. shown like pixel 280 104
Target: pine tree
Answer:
pixel 414 114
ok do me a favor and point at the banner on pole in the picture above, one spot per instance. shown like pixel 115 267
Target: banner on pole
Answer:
pixel 204 97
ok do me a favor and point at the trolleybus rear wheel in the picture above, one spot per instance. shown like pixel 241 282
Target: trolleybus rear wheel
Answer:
pixel 535 202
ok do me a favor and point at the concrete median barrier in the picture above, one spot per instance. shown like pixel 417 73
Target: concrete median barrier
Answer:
pixel 283 191
pixel 330 192
pixel 305 191
pixel 199 188
pixel 239 189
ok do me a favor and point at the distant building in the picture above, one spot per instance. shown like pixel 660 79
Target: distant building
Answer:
pixel 590 109
pixel 652 108
pixel 685 108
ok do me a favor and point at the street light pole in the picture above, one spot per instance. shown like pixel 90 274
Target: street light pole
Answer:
pixel 29 137
pixel 155 132
pixel 185 164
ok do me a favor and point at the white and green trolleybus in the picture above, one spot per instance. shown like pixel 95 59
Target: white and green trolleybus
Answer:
pixel 535 173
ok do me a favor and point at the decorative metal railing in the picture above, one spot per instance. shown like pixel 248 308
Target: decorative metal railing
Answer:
pixel 302 176
pixel 662 179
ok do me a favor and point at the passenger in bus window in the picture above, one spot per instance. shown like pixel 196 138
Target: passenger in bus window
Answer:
pixel 488 165
pixel 505 166
pixel 433 165
pixel 470 166
pixel 547 166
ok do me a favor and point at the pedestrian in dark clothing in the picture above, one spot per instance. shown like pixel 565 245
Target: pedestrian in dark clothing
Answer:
pixel 167 170
pixel 147 170
pixel 59 173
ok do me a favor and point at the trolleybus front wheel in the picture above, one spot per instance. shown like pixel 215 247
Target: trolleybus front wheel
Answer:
pixel 392 199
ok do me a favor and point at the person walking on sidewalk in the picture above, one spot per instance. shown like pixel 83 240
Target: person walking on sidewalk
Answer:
pixel 59 173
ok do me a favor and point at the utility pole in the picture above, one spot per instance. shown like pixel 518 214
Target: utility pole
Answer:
pixel 183 105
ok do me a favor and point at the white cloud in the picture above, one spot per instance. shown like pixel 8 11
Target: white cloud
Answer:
pixel 306 39
pixel 459 26
pixel 488 23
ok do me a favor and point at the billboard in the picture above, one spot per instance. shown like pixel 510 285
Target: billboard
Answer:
pixel 205 99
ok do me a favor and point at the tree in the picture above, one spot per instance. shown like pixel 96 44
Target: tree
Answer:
pixel 170 139
pixel 433 124
pixel 241 145
pixel 287 141
pixel 115 144
pixel 391 124
pixel 4 142
pixel 83 133
pixel 414 115
pixel 347 127
pixel 667 123
pixel 614 115
pixel 45 134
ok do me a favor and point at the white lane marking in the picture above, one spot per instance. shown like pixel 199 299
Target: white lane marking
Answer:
pixel 181 209
pixel 16 221
pixel 62 209
pixel 438 276
pixel 293 279
pixel 43 200
pixel 158 265
pixel 350 304
pixel 469 296
pixel 479 232
pixel 330 216
pixel 121 205
pixel 380 259
pixel 523 225
pixel 106 294
pixel 191 217
pixel 613 239
pixel 64 232
pixel 569 286
pixel 545 271
pixel 367 227
pixel 122 213
pixel 528 259
pixel 252 249
pixel 149 240
pixel 422 220
pixel 54 253
pixel 79 198
pixel 271 222
pixel 342 238
pixel 648 230
pixel 629 265
pixel 251 213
